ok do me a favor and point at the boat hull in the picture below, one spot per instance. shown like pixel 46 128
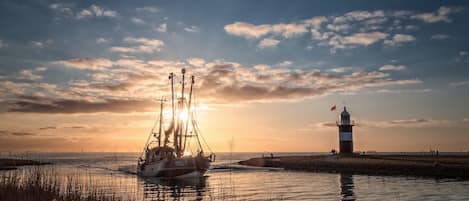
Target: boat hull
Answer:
pixel 175 168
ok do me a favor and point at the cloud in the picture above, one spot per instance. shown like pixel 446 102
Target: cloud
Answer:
pixel 62 8
pixel 41 44
pixel 398 123
pixel 398 39
pixel 442 15
pixel 251 31
pixel 337 27
pixel 358 39
pixel 364 38
pixel 2 44
pixel 315 22
pixel 40 68
pixel 285 63
pixel 463 57
pixel 150 9
pixel 13 90
pixel 37 43
pixel 96 11
pixel 341 69
pixel 439 37
pixel 22 133
pixel 61 127
pixel 87 63
pixel 416 122
pixel 29 74
pixel 407 121
pixel 198 62
pixel 48 128
pixel 349 30
pixel 142 45
pixel 192 29
pixel 34 104
pixel 132 85
pixel 268 43
pixel 247 30
pixel 411 27
pixel 284 30
pixel 137 20
pixel 389 67
pixel 15 133
pixel 66 9
pixel 235 84
pixel 460 83
pixel 162 28
pixel 75 127
pixel 100 86
pixel 165 63
pixel 289 30
pixel 358 16
pixel 102 40
pixel 389 91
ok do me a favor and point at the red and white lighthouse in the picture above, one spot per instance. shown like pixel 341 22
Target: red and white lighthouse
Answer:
pixel 345 133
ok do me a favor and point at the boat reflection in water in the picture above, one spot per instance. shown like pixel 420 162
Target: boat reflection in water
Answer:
pixel 346 187
pixel 174 189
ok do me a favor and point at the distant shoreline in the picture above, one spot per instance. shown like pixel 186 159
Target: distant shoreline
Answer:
pixel 12 164
pixel 442 166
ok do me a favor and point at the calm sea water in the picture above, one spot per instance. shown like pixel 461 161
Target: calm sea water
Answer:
pixel 113 173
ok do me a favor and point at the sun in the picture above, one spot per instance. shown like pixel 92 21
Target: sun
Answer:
pixel 183 115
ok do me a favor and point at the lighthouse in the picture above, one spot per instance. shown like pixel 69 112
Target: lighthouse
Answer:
pixel 345 133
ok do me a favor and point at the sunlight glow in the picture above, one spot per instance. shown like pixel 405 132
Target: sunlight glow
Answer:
pixel 183 115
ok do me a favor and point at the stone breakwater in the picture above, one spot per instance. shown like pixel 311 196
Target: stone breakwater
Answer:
pixel 406 165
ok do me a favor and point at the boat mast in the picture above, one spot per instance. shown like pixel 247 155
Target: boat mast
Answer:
pixel 189 116
pixel 171 77
pixel 179 150
pixel 161 123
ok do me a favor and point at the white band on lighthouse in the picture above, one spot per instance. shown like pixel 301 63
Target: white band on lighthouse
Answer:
pixel 345 136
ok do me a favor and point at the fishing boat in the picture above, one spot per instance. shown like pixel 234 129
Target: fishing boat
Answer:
pixel 184 156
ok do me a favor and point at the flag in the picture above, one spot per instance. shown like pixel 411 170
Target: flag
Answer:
pixel 333 108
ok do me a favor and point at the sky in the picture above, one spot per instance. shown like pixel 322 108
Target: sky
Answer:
pixel 86 75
